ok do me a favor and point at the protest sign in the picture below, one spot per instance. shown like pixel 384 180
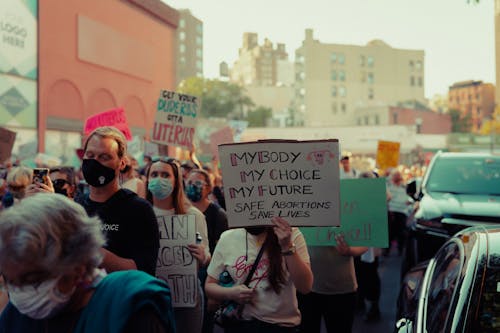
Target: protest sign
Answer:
pixel 387 154
pixel 7 139
pixel 224 135
pixel 296 180
pixel 175 264
pixel 175 119
pixel 151 149
pixel 114 117
pixel 363 216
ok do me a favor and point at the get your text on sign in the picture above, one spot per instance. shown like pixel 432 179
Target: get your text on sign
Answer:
pixel 175 264
pixel 297 180
pixel 175 119
pixel 363 215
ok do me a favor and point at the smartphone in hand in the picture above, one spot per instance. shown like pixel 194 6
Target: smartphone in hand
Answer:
pixel 41 176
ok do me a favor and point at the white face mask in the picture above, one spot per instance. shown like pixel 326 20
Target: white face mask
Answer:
pixel 37 302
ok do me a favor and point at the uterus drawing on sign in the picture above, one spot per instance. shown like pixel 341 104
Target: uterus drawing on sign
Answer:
pixel 319 157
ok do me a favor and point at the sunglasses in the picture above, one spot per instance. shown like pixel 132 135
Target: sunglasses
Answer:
pixel 59 182
pixel 165 159
pixel 197 183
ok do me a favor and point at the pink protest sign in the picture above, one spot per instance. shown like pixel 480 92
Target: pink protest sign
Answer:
pixel 114 117
pixel 224 135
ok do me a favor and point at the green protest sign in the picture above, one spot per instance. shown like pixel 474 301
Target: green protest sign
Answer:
pixel 363 216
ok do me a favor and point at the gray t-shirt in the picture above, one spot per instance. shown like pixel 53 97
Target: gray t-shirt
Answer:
pixel 333 273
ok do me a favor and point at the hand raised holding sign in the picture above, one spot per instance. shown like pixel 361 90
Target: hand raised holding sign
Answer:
pixel 283 231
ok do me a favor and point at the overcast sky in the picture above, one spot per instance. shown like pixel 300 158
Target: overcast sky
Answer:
pixel 457 37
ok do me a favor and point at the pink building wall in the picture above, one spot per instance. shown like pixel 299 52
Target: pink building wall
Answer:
pixel 95 55
pixel 432 122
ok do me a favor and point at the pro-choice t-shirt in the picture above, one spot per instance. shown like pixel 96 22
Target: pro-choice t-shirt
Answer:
pixel 230 254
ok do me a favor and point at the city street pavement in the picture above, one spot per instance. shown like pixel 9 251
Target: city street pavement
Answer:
pixel 389 271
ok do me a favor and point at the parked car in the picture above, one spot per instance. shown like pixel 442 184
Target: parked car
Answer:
pixel 458 190
pixel 458 290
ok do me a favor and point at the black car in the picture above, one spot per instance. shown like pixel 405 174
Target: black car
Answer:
pixel 458 290
pixel 458 190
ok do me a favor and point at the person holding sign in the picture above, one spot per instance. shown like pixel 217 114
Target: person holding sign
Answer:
pixel 166 192
pixel 269 301
pixel 50 251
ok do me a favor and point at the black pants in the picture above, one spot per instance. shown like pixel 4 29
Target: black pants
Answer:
pixel 337 310
pixel 368 279
pixel 257 326
pixel 397 229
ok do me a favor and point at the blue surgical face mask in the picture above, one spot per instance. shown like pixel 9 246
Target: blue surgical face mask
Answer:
pixel 160 187
pixel 193 192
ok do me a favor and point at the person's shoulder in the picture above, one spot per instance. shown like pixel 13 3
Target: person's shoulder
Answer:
pixel 192 210
pixel 231 234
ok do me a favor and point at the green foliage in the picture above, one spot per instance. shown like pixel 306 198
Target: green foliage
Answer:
pixel 259 116
pixel 460 124
pixel 218 98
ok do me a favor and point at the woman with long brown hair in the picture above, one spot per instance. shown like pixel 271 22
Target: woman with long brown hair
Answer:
pixel 269 301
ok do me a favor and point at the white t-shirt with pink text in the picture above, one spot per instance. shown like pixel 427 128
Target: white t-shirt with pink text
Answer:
pixel 230 254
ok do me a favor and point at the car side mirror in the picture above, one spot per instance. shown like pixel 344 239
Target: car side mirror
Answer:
pixel 404 325
pixel 411 188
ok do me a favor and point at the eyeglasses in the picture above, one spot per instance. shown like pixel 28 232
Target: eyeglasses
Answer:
pixel 197 183
pixel 59 182
pixel 165 159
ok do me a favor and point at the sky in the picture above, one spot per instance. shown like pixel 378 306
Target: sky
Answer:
pixel 456 36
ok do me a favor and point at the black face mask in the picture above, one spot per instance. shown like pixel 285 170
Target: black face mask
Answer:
pixel 255 230
pixel 96 174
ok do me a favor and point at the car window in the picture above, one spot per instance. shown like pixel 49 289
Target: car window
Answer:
pixel 441 288
pixel 465 175
pixel 489 307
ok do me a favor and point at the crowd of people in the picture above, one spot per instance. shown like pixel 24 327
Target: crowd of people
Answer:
pixel 78 252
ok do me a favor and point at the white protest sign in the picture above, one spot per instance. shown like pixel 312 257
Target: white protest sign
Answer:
pixel 297 180
pixel 175 264
pixel 175 119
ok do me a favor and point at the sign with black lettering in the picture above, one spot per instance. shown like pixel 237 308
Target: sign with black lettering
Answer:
pixel 296 180
pixel 175 119
pixel 175 264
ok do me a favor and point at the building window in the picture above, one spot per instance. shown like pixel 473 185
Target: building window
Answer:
pixel 333 57
pixel 334 75
pixel 199 53
pixel 199 40
pixel 412 81
pixel 342 91
pixel 418 65
pixel 367 120
pixel 182 23
pixel 395 118
pixel 341 59
pixel 341 75
pixel 377 120
pixel 302 91
pixel 199 64
pixel 420 82
pixel 302 75
pixel 370 93
pixel 343 108
pixel 199 28
pixel 412 65
pixel 182 35
pixel 334 91
pixel 370 78
pixel 361 60
pixel 182 48
pixel 182 60
pixel 370 61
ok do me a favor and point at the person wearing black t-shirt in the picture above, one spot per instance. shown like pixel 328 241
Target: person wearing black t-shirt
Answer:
pixel 129 222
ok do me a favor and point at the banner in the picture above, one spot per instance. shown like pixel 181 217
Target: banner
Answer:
pixel 387 154
pixel 114 117
pixel 7 139
pixel 363 216
pixel 296 180
pixel 175 120
pixel 175 264
pixel 224 135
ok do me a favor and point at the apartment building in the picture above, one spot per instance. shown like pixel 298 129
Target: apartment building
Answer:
pixel 473 98
pixel 333 80
pixel 189 46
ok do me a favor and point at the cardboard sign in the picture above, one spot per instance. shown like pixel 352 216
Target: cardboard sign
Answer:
pixel 114 117
pixel 363 216
pixel 224 135
pixel 297 180
pixel 7 139
pixel 175 264
pixel 387 154
pixel 175 119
